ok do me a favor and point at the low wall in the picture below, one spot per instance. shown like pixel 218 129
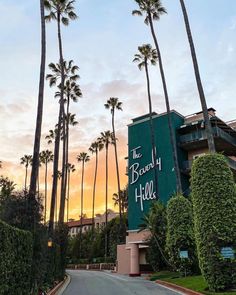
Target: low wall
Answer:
pixel 93 266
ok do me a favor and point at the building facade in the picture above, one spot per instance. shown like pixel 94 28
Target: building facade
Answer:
pixel 99 221
pixel 191 142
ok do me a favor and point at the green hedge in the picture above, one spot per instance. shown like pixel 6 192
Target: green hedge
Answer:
pixel 180 234
pixel 214 206
pixel 15 260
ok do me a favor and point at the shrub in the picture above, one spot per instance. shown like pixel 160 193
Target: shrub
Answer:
pixel 214 206
pixel 15 260
pixel 156 222
pixel 180 234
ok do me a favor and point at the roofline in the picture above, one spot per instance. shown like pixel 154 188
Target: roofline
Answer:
pixel 155 116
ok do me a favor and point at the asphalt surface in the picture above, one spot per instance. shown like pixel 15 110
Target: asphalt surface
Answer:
pixel 104 283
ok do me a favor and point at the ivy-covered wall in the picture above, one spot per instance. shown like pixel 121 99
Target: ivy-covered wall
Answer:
pixel 15 260
pixel 214 207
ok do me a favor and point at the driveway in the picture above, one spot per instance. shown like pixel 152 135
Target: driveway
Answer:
pixel 104 283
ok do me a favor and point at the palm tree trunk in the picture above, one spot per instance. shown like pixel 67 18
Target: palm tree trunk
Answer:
pixel 106 237
pixel 117 171
pixel 26 172
pixel 81 209
pixel 57 139
pixel 68 195
pixel 209 133
pixel 151 128
pixel 94 191
pixel 35 160
pixel 172 138
pixel 63 178
pixel 45 204
pixel 67 147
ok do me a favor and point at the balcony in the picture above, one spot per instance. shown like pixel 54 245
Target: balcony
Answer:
pixel 198 139
pixel 187 165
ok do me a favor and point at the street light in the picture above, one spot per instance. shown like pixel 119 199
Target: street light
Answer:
pixel 50 243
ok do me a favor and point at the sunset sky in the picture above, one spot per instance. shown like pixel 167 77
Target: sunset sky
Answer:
pixel 103 42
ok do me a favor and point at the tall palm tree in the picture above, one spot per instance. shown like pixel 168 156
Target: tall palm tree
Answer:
pixel 26 160
pixel 62 11
pixel 71 169
pixel 83 158
pixel 147 56
pixel 208 128
pixel 37 138
pixel 114 104
pixel 71 92
pixel 95 147
pixel 107 138
pixel 46 158
pixel 152 10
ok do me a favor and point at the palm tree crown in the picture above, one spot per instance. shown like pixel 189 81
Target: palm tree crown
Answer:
pixel 96 146
pixel 62 10
pixel 107 137
pixel 153 8
pixel 146 54
pixel 83 157
pixel 26 160
pixel 69 72
pixel 113 103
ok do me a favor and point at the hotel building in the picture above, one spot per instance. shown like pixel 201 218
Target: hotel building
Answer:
pixel 191 142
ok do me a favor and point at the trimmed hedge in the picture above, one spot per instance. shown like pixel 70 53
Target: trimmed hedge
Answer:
pixel 214 206
pixel 180 234
pixel 15 260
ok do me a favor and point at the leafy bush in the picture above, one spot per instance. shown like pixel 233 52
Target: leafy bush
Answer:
pixel 156 222
pixel 15 260
pixel 214 206
pixel 180 234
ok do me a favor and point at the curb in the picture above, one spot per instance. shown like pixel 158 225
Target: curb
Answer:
pixel 60 288
pixel 178 288
pixel 64 285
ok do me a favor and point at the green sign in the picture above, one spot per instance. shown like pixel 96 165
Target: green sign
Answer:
pixel 142 189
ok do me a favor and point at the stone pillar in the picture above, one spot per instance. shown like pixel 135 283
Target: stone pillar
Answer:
pixel 134 260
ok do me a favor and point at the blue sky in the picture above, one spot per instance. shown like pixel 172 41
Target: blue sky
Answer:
pixel 103 42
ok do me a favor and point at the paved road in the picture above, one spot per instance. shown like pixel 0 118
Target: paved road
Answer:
pixel 103 283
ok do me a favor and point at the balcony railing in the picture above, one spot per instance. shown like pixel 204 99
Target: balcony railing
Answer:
pixel 201 135
pixel 187 165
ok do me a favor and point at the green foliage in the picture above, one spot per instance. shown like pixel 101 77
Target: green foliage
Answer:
pixel 214 206
pixel 180 234
pixel 156 222
pixel 15 260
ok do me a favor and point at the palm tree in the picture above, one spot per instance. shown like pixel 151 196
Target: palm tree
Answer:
pixel 82 157
pixel 123 199
pixel 145 56
pixel 51 136
pixel 114 104
pixel 156 218
pixel 71 169
pixel 46 158
pixel 62 11
pixel 95 147
pixel 107 138
pixel 26 161
pixel 37 138
pixel 71 92
pixel 209 133
pixel 153 9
